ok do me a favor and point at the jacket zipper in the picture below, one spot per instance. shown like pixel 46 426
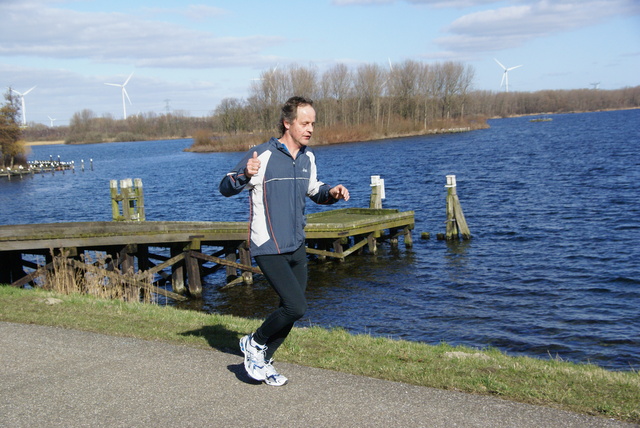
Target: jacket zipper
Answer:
pixel 295 199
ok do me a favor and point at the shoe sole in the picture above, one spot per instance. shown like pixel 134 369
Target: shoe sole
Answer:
pixel 266 381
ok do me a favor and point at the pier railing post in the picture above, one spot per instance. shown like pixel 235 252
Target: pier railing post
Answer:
pixel 127 198
pixel 131 196
pixel 139 195
pixel 377 192
pixel 456 223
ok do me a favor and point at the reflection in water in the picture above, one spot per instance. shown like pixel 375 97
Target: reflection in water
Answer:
pixel 457 260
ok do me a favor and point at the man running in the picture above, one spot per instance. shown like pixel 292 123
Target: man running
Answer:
pixel 280 174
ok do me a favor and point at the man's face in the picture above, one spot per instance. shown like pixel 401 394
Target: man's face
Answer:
pixel 302 127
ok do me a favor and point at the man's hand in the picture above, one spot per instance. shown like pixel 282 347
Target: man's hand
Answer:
pixel 253 165
pixel 339 192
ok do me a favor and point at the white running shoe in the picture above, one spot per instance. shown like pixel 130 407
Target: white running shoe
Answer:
pixel 254 362
pixel 273 378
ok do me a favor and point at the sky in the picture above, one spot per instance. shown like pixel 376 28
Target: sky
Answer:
pixel 187 56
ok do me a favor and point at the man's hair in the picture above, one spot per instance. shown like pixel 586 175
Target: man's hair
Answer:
pixel 290 111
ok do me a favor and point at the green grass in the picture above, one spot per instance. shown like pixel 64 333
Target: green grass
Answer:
pixel 580 388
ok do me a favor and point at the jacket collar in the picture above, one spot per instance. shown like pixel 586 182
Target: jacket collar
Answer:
pixel 284 148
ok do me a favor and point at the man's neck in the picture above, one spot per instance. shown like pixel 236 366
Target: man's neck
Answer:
pixel 290 145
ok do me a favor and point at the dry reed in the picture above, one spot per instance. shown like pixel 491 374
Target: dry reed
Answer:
pixel 98 275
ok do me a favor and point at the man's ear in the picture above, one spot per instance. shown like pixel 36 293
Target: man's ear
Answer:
pixel 286 124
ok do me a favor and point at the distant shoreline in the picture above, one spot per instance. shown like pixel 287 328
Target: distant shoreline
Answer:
pixel 318 143
pixel 44 143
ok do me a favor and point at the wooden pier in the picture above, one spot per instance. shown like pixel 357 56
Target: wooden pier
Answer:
pixel 184 252
pixel 40 167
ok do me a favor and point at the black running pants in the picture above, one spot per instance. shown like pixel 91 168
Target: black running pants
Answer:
pixel 287 274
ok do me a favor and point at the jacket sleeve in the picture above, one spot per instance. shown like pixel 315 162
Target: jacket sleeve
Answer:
pixel 318 191
pixel 322 196
pixel 236 180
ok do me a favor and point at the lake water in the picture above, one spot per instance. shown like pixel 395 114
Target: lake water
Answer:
pixel 552 270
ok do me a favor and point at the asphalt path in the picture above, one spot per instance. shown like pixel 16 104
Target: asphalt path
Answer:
pixel 55 377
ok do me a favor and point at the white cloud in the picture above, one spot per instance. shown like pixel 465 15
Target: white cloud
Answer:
pixel 512 26
pixel 28 30
pixel 434 3
pixel 201 12
pixel 361 2
pixel 193 12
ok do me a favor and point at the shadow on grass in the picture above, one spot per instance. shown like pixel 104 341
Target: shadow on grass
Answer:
pixel 219 338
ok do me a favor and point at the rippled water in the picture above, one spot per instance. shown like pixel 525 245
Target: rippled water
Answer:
pixel 553 207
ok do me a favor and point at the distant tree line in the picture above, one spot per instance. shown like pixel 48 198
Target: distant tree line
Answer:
pixel 370 101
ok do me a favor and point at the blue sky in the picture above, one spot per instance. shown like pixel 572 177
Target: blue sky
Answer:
pixel 194 54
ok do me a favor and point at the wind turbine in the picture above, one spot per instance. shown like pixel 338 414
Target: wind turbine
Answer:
pixel 124 93
pixel 386 81
pixel 52 120
pixel 505 75
pixel 24 110
pixel 269 76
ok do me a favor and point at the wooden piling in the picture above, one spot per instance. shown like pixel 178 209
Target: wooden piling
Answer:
pixel 194 280
pixel 115 209
pixel 177 269
pixel 377 192
pixel 130 198
pixel 245 259
pixel 126 258
pixel 139 196
pixel 456 223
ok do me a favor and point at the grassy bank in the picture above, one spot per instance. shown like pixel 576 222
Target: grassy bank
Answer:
pixel 204 141
pixel 580 388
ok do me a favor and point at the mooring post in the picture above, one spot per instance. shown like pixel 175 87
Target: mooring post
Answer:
pixel 377 192
pixel 456 223
pixel 408 240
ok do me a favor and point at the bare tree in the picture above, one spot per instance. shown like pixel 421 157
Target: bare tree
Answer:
pixel 337 85
pixel 451 85
pixel 369 85
pixel 426 93
pixel 404 88
pixel 304 81
pixel 230 113
pixel 267 92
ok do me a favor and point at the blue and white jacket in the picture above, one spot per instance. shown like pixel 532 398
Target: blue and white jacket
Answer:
pixel 277 196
